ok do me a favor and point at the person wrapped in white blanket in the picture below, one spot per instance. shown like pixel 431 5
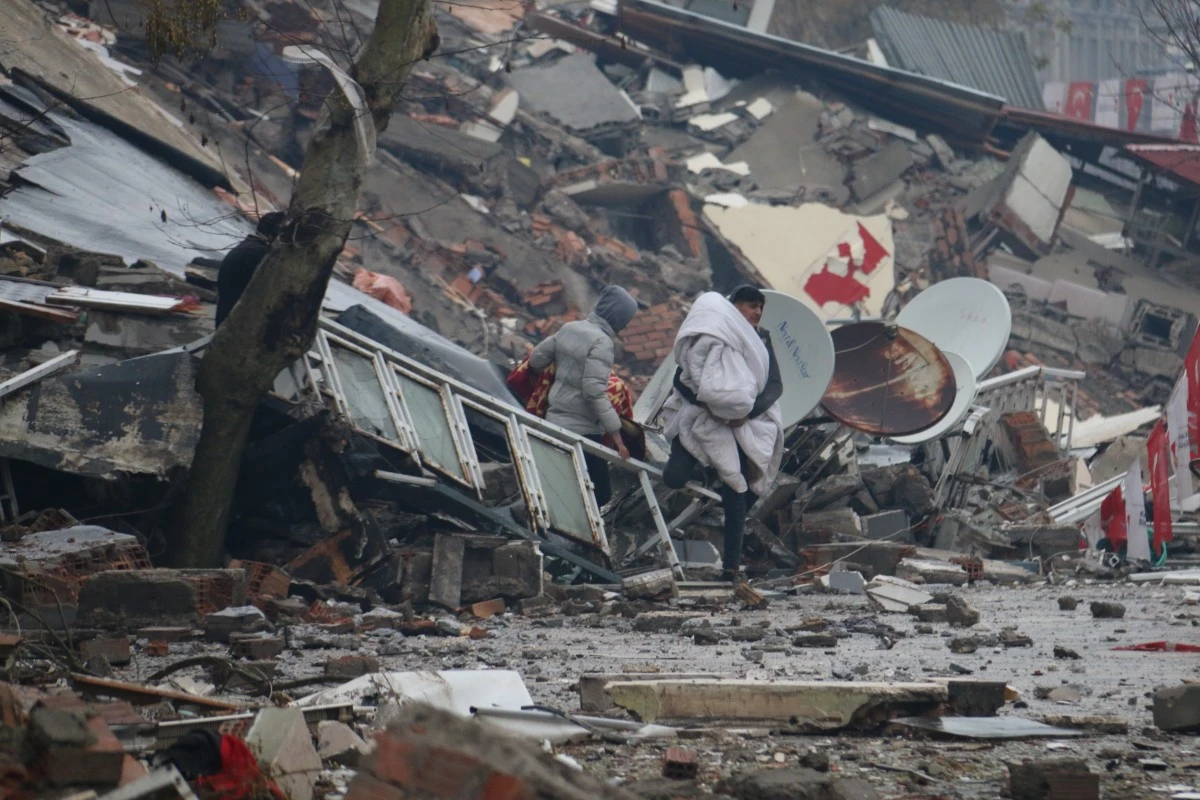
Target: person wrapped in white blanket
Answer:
pixel 724 410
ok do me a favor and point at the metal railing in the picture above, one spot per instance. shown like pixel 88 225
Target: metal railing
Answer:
pixel 1031 389
pixel 423 413
pixel 1028 389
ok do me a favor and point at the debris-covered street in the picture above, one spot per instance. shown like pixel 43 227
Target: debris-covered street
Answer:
pixel 407 399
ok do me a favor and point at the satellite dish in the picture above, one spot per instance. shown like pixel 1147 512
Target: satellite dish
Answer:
pixel 804 350
pixel 888 380
pixel 652 398
pixel 967 316
pixel 964 380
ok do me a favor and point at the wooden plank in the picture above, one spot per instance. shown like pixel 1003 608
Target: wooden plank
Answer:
pixel 445 584
pixel 37 373
pixel 142 695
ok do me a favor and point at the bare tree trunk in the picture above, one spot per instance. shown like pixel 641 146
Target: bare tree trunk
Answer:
pixel 275 321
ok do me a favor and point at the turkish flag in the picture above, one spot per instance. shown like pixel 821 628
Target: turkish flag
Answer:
pixel 1158 451
pixel 1079 101
pixel 1135 94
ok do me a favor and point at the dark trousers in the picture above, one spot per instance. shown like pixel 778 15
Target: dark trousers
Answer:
pixel 681 466
pixel 597 469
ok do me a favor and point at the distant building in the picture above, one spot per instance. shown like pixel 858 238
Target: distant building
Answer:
pixel 1087 40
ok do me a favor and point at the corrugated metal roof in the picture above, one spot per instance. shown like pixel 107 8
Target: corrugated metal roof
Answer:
pixel 1180 161
pixel 961 113
pixel 998 62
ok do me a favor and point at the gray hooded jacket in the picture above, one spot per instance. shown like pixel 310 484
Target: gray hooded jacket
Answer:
pixel 582 353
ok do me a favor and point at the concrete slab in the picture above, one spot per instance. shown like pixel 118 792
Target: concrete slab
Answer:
pixel 575 92
pixel 824 705
pixel 784 153
pixel 280 739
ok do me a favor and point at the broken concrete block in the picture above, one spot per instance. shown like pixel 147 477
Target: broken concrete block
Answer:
pixel 889 525
pixel 339 744
pixel 921 570
pixel 138 597
pixel 659 584
pixel 931 612
pixel 74 749
pixel 114 651
pixel 960 613
pixel 845 582
pixel 1053 779
pixel 977 698
pixel 255 648
pixel 279 738
pixel 815 640
pixel 896 595
pixel 497 568
pixel 1177 708
pixel 539 606
pixel 823 527
pixel 220 625
pixel 593 695
pixel 794 783
pixel 824 705
pixel 351 666
pixel 1089 722
pixel 1103 610
pixel 445 586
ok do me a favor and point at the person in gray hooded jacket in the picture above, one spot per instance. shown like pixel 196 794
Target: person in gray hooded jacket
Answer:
pixel 583 353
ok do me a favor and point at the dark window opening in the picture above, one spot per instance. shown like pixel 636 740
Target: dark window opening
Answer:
pixel 1157 327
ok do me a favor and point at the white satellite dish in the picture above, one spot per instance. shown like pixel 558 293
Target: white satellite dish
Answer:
pixel 964 379
pixel 967 316
pixel 803 348
pixel 652 398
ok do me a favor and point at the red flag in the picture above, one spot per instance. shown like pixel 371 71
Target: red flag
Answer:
pixel 1159 452
pixel 1079 101
pixel 1135 93
pixel 1112 518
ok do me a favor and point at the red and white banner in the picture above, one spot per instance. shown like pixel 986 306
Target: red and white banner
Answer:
pixel 1135 515
pixel 1122 518
pixel 1158 452
pixel 1180 442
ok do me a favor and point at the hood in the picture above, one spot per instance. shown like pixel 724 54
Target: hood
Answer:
pixel 616 307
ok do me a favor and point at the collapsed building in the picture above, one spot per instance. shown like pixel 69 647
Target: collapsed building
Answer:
pixel 553 152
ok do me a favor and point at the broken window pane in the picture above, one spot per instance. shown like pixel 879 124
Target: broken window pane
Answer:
pixel 562 489
pixel 365 400
pixel 433 429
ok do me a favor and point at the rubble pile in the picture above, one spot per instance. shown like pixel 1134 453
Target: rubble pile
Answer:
pixel 418 583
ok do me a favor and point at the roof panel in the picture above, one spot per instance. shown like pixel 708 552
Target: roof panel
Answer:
pixel 1181 161
pixel 993 61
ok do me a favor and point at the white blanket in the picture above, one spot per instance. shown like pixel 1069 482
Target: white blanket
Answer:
pixel 725 363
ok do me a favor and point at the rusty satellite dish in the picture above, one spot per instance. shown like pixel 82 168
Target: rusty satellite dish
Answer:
pixel 967 316
pixel 964 381
pixel 888 380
